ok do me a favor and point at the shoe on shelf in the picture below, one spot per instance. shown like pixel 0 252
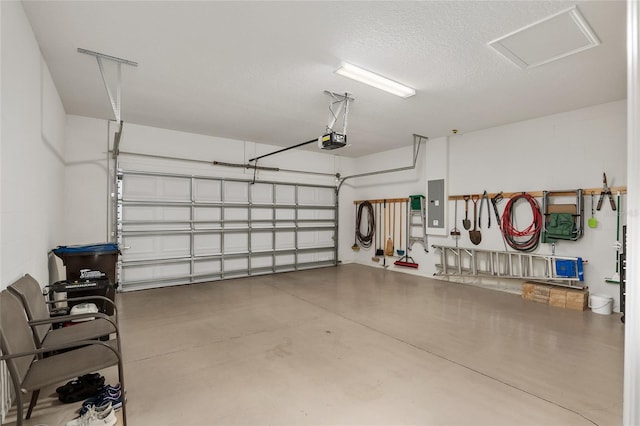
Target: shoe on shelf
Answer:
pixel 100 416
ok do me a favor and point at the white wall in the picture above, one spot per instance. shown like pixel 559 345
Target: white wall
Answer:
pixel 32 167
pixel 559 152
pixel 85 181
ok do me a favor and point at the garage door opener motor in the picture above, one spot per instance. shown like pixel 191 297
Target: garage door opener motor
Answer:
pixel 332 139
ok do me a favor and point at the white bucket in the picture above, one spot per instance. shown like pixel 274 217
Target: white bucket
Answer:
pixel 601 304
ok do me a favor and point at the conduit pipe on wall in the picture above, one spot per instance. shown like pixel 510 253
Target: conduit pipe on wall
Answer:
pixel 417 139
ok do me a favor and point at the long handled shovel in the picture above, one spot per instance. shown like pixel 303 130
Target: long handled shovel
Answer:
pixel 475 235
pixel 455 232
pixel 379 251
pixel 388 250
pixel 400 251
pixel 355 246
pixel 466 223
pixel 375 257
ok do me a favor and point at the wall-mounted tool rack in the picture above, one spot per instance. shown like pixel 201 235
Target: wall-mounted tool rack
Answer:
pixel 415 220
pixel 537 194
pixel 387 200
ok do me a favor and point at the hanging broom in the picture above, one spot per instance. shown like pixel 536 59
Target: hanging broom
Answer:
pixel 376 212
pixel 406 261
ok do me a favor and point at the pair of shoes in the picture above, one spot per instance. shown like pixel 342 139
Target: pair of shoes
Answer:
pixel 81 388
pixel 74 384
pixel 108 395
pixel 96 416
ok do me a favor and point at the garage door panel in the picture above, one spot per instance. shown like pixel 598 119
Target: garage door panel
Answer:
pixel 285 259
pixel 236 192
pixel 285 240
pixel 308 214
pixel 235 214
pixel 155 272
pixel 156 188
pixel 316 196
pixel 205 190
pixel 237 242
pixel 261 214
pixel 156 247
pixel 209 216
pixel 207 266
pixel 207 244
pixel 261 241
pixel 180 229
pixel 285 194
pixel 236 264
pixel 311 239
pixel 262 193
pixel 262 261
pixel 320 256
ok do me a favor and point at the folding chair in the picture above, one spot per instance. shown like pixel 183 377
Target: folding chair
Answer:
pixel 29 373
pixel 28 291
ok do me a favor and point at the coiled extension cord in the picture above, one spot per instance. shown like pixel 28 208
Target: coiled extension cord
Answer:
pixel 365 240
pixel 527 239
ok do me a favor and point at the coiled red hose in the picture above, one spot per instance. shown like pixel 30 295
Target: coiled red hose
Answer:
pixel 528 238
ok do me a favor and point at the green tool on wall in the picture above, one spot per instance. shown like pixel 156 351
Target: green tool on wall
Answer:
pixel 593 222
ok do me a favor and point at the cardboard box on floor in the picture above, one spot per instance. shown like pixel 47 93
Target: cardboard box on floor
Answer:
pixel 560 297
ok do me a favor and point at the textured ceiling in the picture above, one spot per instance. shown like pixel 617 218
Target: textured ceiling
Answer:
pixel 256 71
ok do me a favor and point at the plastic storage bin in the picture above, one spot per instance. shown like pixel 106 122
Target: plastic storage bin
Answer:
pixel 96 257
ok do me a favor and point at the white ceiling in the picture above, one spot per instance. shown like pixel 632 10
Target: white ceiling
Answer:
pixel 256 71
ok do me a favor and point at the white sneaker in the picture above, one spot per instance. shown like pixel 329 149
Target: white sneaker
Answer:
pixel 103 416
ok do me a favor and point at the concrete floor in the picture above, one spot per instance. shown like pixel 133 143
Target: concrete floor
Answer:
pixel 355 345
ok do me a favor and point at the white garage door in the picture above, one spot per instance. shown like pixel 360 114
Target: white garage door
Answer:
pixel 178 229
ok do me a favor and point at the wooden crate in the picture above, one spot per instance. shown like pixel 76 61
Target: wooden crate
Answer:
pixel 561 297
pixel 577 299
pixel 558 297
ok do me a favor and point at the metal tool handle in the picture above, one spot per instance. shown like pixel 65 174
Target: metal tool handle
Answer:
pixel 485 197
pixel 494 203
pixel 466 206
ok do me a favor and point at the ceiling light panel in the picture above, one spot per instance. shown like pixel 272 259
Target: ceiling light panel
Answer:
pixel 375 80
pixel 549 39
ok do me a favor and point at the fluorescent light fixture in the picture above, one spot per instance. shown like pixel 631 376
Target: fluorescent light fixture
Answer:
pixel 375 80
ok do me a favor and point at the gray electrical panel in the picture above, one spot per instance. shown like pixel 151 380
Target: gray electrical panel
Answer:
pixel 435 203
